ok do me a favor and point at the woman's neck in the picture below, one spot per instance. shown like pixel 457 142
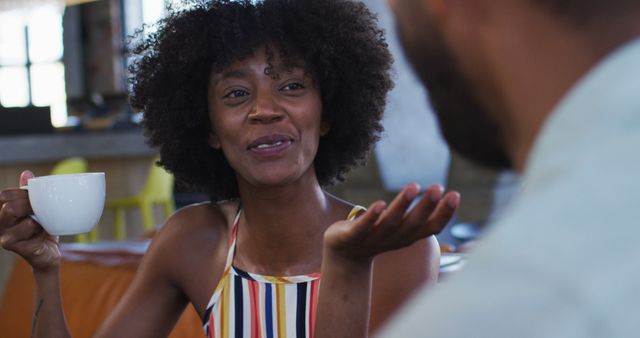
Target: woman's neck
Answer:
pixel 281 228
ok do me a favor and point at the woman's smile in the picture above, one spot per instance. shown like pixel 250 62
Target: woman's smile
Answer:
pixel 270 146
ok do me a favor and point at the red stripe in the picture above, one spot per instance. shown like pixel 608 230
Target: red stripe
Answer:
pixel 314 275
pixel 256 330
pixel 313 303
pixel 233 233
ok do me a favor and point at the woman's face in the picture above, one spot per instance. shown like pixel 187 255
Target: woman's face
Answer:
pixel 268 126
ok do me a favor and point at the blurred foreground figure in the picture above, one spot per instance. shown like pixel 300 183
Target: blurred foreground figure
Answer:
pixel 550 88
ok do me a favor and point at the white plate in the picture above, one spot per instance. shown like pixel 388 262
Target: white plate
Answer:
pixel 136 247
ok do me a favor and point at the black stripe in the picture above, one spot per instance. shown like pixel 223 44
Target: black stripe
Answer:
pixel 243 273
pixel 207 312
pixel 301 311
pixel 238 299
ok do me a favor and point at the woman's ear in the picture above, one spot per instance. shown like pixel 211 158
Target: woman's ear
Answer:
pixel 214 142
pixel 324 128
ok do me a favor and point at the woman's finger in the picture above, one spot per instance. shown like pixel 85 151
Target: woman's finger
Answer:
pixel 394 214
pixel 23 231
pixel 441 215
pixel 25 176
pixel 12 211
pixel 365 222
pixel 420 213
pixel 8 195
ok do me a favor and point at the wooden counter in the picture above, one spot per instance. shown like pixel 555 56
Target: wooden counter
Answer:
pixel 49 148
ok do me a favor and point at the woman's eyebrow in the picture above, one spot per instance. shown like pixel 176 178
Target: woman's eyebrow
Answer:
pixel 233 73
pixel 277 71
pixel 288 68
pixel 237 73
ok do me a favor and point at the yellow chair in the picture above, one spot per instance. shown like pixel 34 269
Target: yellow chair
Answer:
pixel 157 190
pixel 75 165
pixel 72 165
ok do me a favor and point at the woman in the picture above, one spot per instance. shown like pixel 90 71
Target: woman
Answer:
pixel 260 105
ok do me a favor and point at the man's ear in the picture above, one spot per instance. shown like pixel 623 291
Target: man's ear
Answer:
pixel 214 142
pixel 325 127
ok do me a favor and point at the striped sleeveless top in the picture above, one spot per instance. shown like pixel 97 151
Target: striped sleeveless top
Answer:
pixel 248 305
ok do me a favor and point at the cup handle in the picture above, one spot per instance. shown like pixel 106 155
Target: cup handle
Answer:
pixel 33 217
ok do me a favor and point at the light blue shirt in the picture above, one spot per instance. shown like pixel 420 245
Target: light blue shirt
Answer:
pixel 564 259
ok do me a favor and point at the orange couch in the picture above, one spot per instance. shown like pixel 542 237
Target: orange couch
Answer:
pixel 92 283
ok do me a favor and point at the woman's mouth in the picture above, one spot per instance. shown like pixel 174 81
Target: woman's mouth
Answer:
pixel 270 145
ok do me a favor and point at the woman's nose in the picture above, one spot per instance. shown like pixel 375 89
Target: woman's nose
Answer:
pixel 265 110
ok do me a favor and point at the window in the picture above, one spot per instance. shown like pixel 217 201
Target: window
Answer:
pixel 136 14
pixel 147 12
pixel 31 68
pixel 152 11
pixel 139 12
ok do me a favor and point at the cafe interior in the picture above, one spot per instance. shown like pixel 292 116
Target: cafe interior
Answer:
pixel 64 109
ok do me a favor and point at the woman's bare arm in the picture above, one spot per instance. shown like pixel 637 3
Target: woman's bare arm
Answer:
pixel 349 248
pixel 398 274
pixel 22 235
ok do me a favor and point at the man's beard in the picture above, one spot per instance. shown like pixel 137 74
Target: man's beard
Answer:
pixel 466 125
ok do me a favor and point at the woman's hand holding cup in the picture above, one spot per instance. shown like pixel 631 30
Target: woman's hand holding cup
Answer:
pixel 32 216
pixel 23 235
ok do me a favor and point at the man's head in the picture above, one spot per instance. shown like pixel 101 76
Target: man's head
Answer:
pixel 465 123
pixel 465 54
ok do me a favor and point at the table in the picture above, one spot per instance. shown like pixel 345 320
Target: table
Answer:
pixel 93 279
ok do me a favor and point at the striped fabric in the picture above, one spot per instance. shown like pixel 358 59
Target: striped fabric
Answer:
pixel 247 305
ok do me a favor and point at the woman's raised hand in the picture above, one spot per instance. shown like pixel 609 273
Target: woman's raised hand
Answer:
pixel 350 246
pixel 383 228
pixel 21 234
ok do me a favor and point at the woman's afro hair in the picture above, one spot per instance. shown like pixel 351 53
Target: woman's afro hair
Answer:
pixel 339 42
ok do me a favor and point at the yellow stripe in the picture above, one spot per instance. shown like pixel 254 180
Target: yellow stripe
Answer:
pixel 221 283
pixel 277 280
pixel 225 307
pixel 282 318
pixel 272 280
pixel 355 211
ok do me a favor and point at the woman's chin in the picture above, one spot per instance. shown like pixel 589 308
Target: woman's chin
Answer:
pixel 276 180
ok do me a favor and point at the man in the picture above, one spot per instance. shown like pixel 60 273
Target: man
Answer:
pixel 550 88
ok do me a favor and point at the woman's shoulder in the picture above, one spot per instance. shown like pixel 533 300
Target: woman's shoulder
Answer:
pixel 196 227
pixel 206 214
pixel 189 251
pixel 196 233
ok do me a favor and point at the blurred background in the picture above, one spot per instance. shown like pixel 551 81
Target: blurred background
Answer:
pixel 63 96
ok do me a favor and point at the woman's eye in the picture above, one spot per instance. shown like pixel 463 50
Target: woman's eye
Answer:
pixel 293 86
pixel 236 93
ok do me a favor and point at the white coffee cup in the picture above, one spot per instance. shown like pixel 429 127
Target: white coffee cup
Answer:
pixel 67 204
